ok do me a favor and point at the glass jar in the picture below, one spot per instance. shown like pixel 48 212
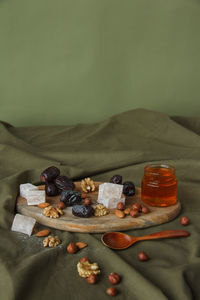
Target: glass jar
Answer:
pixel 159 185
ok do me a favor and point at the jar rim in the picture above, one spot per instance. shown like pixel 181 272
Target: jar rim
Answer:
pixel 162 165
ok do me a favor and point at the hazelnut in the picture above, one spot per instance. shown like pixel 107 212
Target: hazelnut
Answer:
pixel 111 291
pixel 136 206
pixel 83 195
pixel 142 256
pixel 92 279
pixel 127 211
pixel 83 259
pixel 134 213
pixel 72 248
pixel 120 206
pixel 119 213
pixel 145 209
pixel 87 201
pixel 61 205
pixel 114 278
pixel 185 221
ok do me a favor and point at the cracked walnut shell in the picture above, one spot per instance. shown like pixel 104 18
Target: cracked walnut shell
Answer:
pixel 87 185
pixel 85 269
pixel 100 210
pixel 52 212
pixel 51 241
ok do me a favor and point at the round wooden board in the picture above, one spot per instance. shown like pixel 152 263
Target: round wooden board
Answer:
pixel 110 222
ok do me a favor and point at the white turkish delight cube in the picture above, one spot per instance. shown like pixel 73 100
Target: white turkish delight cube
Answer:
pixel 35 197
pixel 23 224
pixel 111 203
pixel 25 188
pixel 110 190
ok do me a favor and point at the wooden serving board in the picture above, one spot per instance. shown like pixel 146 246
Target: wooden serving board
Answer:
pixel 110 222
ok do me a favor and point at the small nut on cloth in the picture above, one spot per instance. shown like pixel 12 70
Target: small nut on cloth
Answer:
pixel 87 185
pixel 85 269
pixel 100 210
pixel 52 212
pixel 51 241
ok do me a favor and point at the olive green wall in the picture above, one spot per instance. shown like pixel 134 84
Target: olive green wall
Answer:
pixel 72 61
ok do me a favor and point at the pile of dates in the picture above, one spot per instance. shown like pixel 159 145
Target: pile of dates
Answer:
pixel 54 182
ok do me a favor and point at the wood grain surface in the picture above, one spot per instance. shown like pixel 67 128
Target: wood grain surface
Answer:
pixel 110 222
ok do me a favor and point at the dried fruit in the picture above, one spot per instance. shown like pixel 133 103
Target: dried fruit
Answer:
pixel 117 179
pixel 127 211
pixel 134 213
pixel 119 213
pixel 111 291
pixel 85 269
pixel 82 211
pixel 136 206
pixel 81 245
pixel 64 183
pixel 61 205
pixel 52 212
pixel 92 279
pixel 71 197
pixel 49 174
pixel 145 209
pixel 44 232
pixel 51 189
pixel 87 185
pixel 128 188
pixel 43 205
pixel 83 259
pixel 51 241
pixel 185 221
pixel 120 206
pixel 142 256
pixel 100 210
pixel 87 201
pixel 114 278
pixel 72 248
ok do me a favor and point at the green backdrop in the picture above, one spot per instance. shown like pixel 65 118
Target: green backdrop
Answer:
pixel 72 61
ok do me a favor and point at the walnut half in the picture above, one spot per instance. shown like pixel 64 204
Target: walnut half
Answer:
pixel 52 212
pixel 85 269
pixel 100 210
pixel 51 241
pixel 87 185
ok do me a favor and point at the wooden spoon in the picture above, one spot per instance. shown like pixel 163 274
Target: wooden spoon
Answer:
pixel 119 240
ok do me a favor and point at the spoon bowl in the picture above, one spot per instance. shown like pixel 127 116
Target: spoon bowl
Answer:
pixel 119 240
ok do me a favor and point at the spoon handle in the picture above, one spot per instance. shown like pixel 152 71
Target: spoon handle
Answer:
pixel 164 235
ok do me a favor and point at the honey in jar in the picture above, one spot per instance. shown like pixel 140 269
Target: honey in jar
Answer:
pixel 159 185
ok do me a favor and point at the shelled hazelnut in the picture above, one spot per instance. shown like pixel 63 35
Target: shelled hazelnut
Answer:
pixel 136 206
pixel 145 209
pixel 72 248
pixel 87 201
pixel 114 278
pixel 120 206
pixel 185 221
pixel 142 256
pixel 61 205
pixel 111 291
pixel 83 259
pixel 134 213
pixel 92 279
